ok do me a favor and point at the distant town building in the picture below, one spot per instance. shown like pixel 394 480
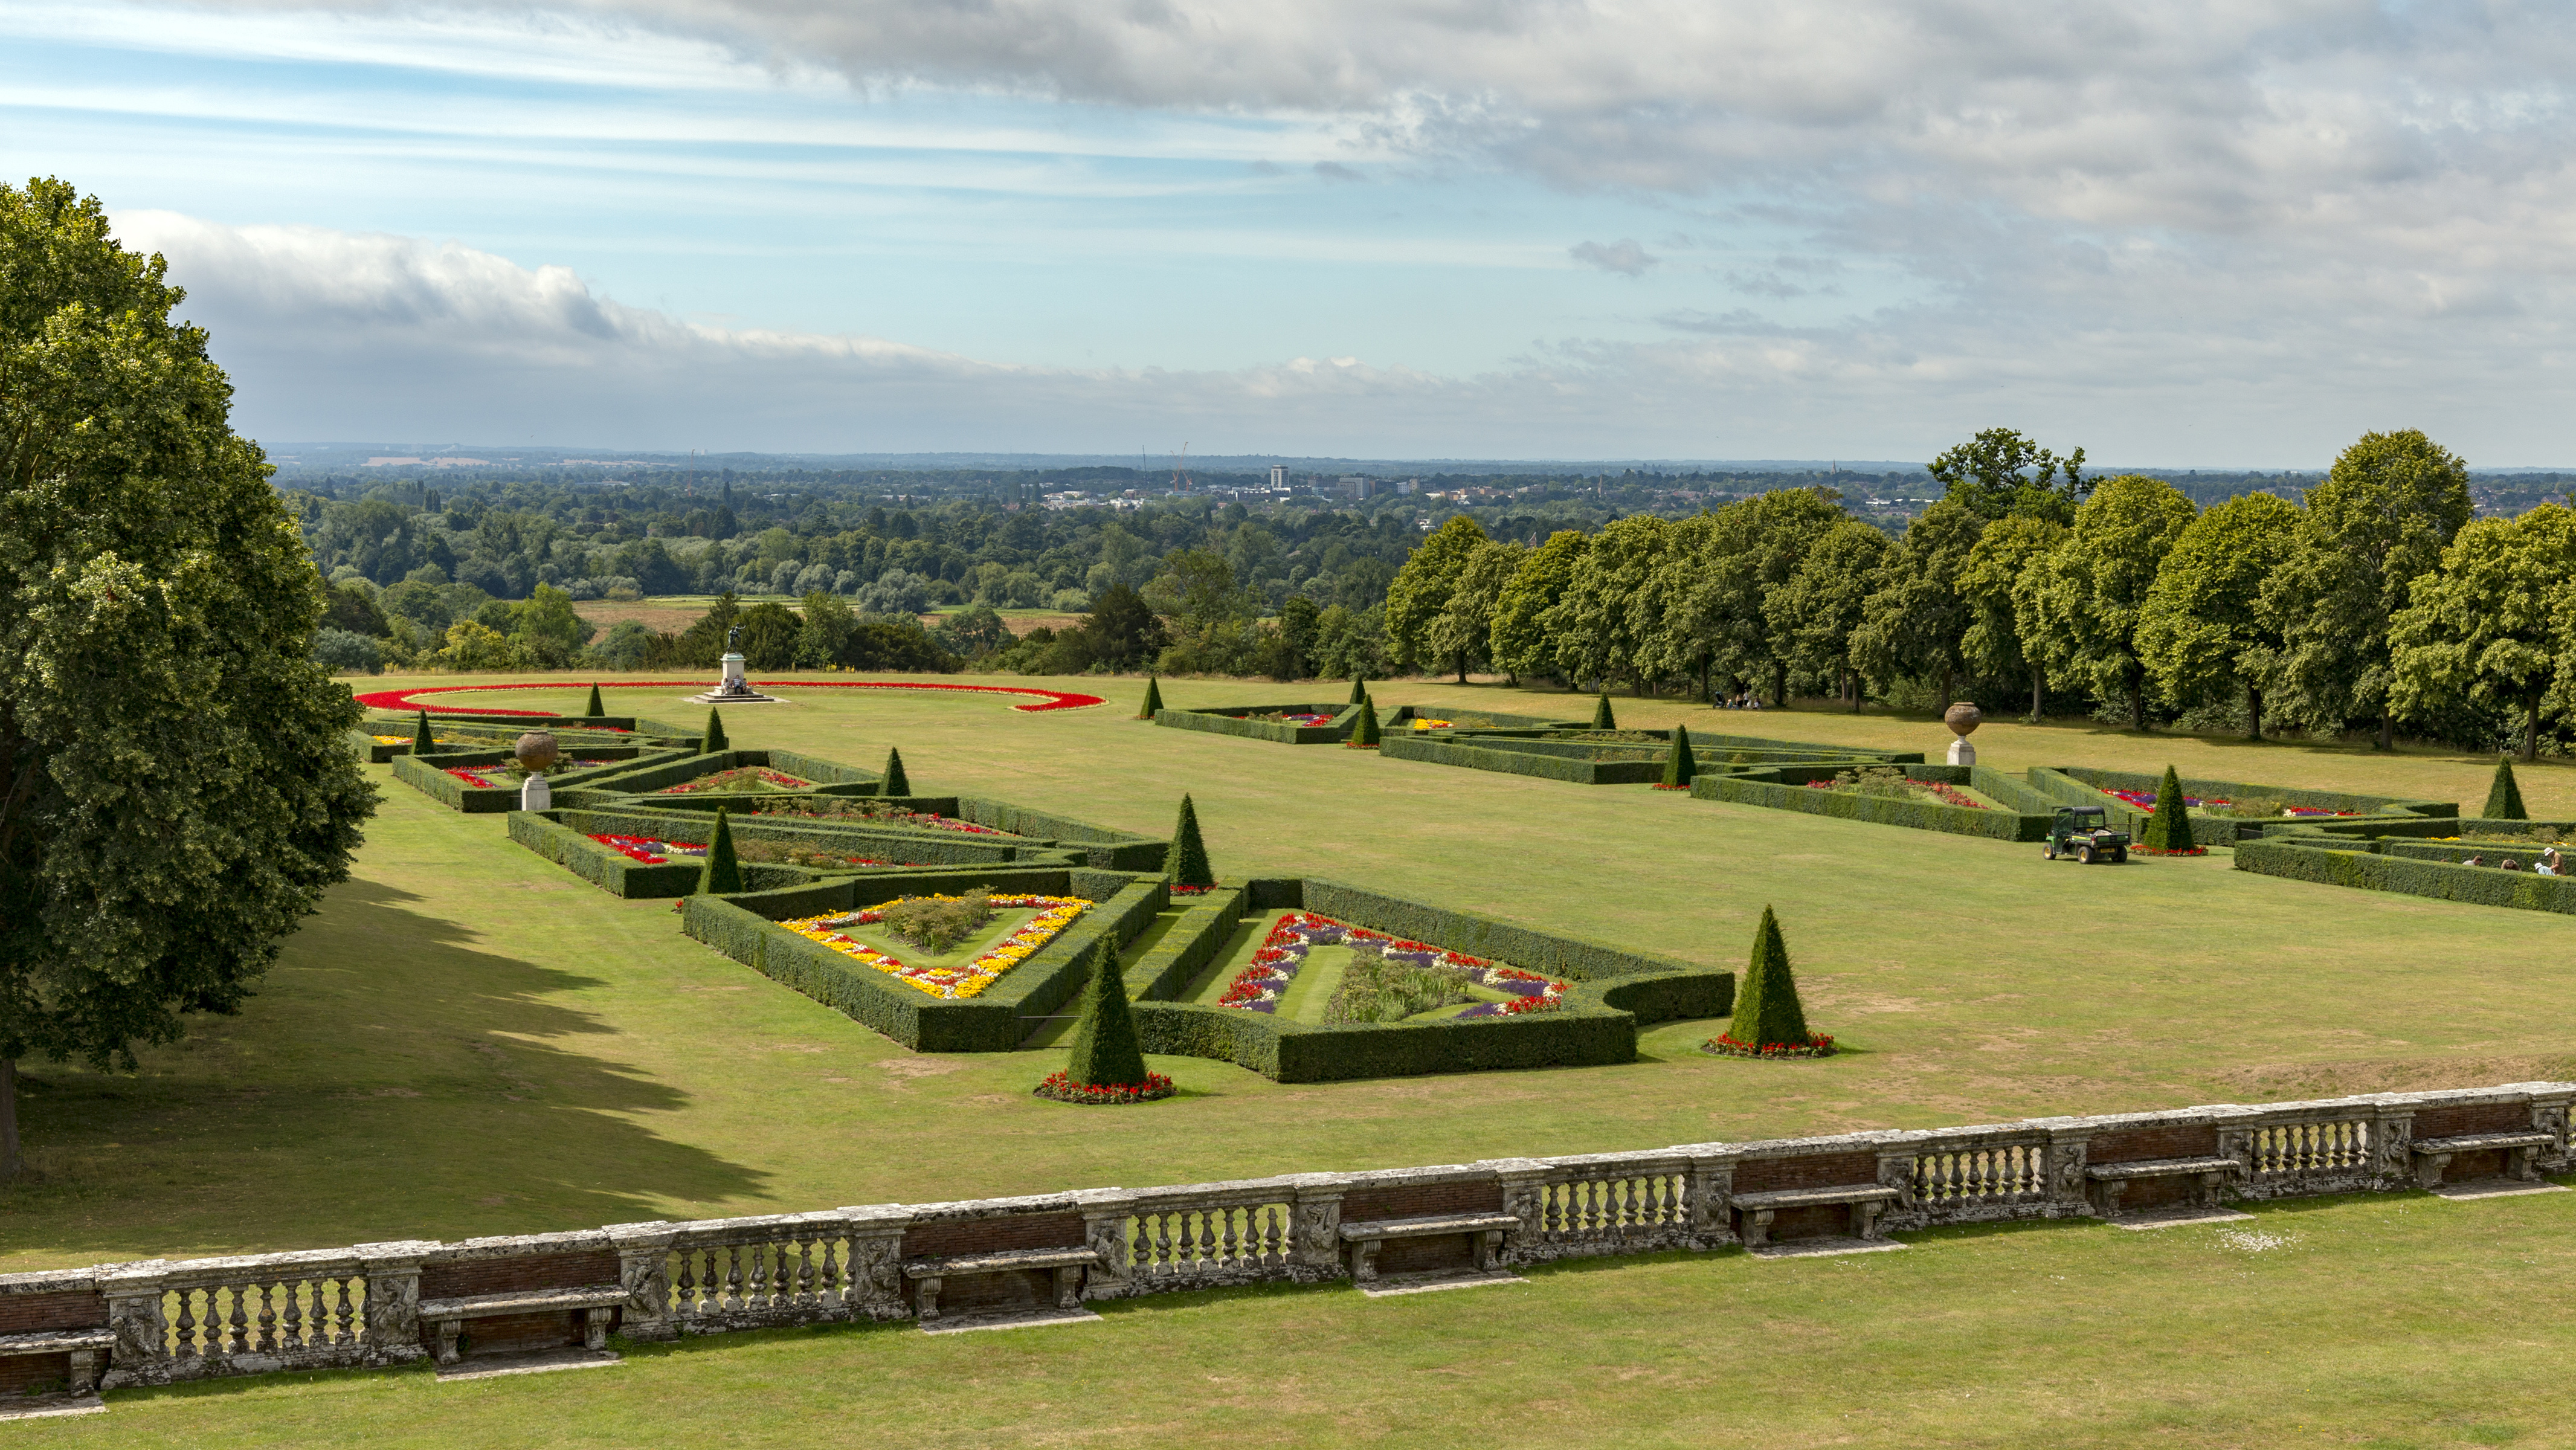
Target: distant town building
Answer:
pixel 1279 475
pixel 1359 488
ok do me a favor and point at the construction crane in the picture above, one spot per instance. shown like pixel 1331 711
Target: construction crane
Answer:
pixel 1181 480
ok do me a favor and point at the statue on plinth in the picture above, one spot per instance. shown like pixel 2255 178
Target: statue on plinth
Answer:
pixel 537 754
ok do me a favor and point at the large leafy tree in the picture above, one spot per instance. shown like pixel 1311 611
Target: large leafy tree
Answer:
pixel 1591 621
pixel 174 790
pixel 1916 622
pixel 2492 626
pixel 1814 615
pixel 1420 593
pixel 1463 632
pixel 1999 472
pixel 2201 636
pixel 2096 584
pixel 2004 638
pixel 1522 642
pixel 1752 552
pixel 2387 509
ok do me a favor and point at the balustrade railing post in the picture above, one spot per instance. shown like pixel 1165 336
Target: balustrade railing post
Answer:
pixel 2549 1105
pixel 393 1298
pixel 1315 1226
pixel 1105 1212
pixel 1524 1183
pixel 1896 1170
pixel 2392 1146
pixel 644 1270
pixel 141 1355
pixel 1710 1191
pixel 876 1259
pixel 2068 1152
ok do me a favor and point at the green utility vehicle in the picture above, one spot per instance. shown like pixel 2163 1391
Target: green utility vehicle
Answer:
pixel 2084 832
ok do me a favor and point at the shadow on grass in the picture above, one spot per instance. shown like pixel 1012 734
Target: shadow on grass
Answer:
pixel 382 1045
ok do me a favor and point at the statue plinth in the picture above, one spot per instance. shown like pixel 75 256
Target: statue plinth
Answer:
pixel 731 688
pixel 1963 720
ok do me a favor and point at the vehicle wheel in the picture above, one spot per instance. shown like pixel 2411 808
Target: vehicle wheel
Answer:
pixel 2048 852
pixel 2119 858
pixel 2083 855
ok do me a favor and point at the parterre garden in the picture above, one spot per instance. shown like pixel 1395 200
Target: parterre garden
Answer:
pixel 1381 934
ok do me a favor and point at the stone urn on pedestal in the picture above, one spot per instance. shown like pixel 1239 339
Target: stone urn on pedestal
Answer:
pixel 1963 720
pixel 537 755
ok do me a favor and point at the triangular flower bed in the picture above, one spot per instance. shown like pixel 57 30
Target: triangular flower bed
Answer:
pixel 1261 986
pixel 948 982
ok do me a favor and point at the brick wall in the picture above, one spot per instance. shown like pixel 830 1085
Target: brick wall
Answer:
pixel 21 1373
pixel 1426 1256
pixel 987 1293
pixel 516 1333
pixel 72 1309
pixel 500 1276
pixel 991 1235
pixel 1420 1200
pixel 2140 1145
pixel 1823 1170
pixel 1815 1221
pixel 2475 1118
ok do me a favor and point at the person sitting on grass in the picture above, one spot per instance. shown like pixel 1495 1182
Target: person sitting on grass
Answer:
pixel 2548 864
pixel 2511 864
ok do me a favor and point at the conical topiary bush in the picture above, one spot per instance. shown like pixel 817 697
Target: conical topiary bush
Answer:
pixel 1602 719
pixel 1359 689
pixel 723 875
pixel 421 744
pixel 2169 828
pixel 594 709
pixel 1107 1065
pixel 2504 798
pixel 1768 1020
pixel 896 783
pixel 1679 767
pixel 1153 698
pixel 715 737
pixel 1188 866
pixel 1364 735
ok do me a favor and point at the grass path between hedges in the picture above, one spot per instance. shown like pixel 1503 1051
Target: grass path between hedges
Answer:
pixel 470 1040
pixel 2394 1322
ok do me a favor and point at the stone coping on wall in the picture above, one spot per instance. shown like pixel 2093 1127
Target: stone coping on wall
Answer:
pixel 358 1306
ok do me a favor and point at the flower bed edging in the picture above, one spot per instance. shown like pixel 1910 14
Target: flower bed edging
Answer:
pixel 1059 1088
pixel 1820 1044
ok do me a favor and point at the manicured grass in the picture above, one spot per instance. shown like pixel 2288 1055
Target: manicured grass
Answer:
pixel 2401 1321
pixel 469 1040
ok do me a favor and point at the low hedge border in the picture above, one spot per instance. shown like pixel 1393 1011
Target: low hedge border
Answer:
pixel 1584 763
pixel 2356 864
pixel 428 775
pixel 829 777
pixel 563 836
pixel 1785 788
pixel 1099 846
pixel 1615 991
pixel 2083 785
pixel 585 738
pixel 745 928
pixel 1227 720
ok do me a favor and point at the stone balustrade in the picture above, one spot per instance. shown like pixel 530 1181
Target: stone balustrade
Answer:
pixel 359 1306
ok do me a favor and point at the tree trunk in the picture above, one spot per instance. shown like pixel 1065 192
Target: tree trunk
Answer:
pixel 1704 668
pixel 1779 686
pixel 1462 669
pixel 8 1118
pixel 1949 682
pixel 2137 699
pixel 2037 686
pixel 2531 727
pixel 2387 731
pixel 1851 688
pixel 2253 713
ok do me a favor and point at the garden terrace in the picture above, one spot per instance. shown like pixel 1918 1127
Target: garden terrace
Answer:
pixel 1324 724
pixel 1583 756
pixel 383 739
pixel 1205 989
pixel 2339 855
pixel 997 1017
pixel 2212 825
pixel 484 782
pixel 675 776
pixel 1097 846
pixel 775 851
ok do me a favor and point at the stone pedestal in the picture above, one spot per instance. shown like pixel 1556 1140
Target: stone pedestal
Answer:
pixel 535 794
pixel 1962 753
pixel 732 682
pixel 731 687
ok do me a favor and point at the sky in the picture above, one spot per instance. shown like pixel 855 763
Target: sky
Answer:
pixel 2202 234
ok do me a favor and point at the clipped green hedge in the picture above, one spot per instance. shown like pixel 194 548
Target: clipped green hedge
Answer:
pixel 1099 846
pixel 563 836
pixel 1783 788
pixel 745 928
pixel 2083 786
pixel 428 775
pixel 2308 859
pixel 829 777
pixel 1228 721
pixel 1614 992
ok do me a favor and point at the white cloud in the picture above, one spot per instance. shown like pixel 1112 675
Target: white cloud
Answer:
pixel 1623 256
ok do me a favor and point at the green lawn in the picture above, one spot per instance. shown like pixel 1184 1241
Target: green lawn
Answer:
pixel 470 1040
pixel 2399 1321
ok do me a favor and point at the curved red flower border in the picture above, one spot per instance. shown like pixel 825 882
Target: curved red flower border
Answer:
pixel 402 699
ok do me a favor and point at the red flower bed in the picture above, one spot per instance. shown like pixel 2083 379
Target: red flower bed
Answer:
pixel 402 699
pixel 1819 1045
pixel 1065 1090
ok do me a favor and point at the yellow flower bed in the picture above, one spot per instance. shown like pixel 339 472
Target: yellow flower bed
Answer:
pixel 949 984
